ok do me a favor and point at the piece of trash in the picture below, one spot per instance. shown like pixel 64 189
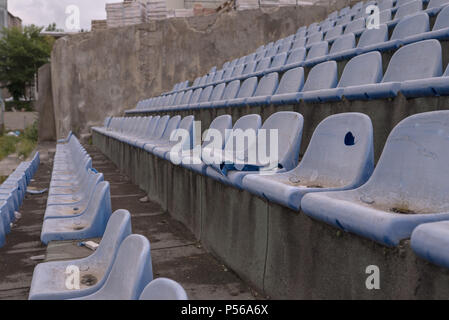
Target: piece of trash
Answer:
pixel 92 245
pixel 144 199
pixel 17 215
pixel 38 258
pixel 32 190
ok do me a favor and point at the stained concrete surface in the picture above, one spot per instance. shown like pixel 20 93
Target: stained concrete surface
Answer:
pixel 175 252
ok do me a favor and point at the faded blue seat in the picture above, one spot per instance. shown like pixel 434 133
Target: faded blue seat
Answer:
pixel 385 5
pixel 436 86
pixel 247 89
pixel 172 125
pixel 218 76
pixel 435 6
pixel 408 8
pixel 430 241
pixel 424 56
pixel 356 27
pixel 322 76
pixel 155 133
pixel 278 62
pixel 163 289
pixel 230 92
pixel 343 48
pixel 192 158
pixel 299 43
pixel 439 31
pixel 314 38
pixel 139 141
pixel 216 95
pixel 262 65
pixel 237 72
pixel 344 20
pixel 340 156
pixel 317 53
pixel 49 278
pixel 333 34
pixel 295 59
pixel 289 87
pixel 180 139
pixel 265 89
pixel 360 70
pixel 5 221
pixel 407 188
pixel 134 260
pixel 203 97
pixel 272 51
pixel 90 224
pixel 371 39
pixel 285 47
pixel 288 126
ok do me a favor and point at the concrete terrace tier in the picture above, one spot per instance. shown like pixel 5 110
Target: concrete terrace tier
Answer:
pixel 176 253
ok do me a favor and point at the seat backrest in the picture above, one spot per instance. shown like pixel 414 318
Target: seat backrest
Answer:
pixel 299 43
pixel 411 173
pixel 319 49
pixel 172 125
pixel 344 20
pixel 408 8
pixel 400 3
pixel 196 95
pixel 99 206
pixel 151 127
pixel 418 60
pixel 373 36
pixel 292 81
pixel 285 47
pixel 247 125
pixel 249 67
pixel 333 33
pixel 238 70
pixel 322 76
pixel 279 60
pixel 248 87
pixel 437 3
pixel 217 93
pixel 261 54
pixel 355 26
pixel 210 78
pixel 263 64
pixel 134 260
pixel 272 51
pixel 442 20
pixel 160 128
pixel 220 124
pixel 163 289
pixel 178 98
pixel 186 97
pixel 218 75
pixel 385 16
pixel 289 126
pixel 340 152
pixel 362 69
pixel 231 90
pixel 296 56
pixel 385 5
pixel 411 25
pixel 446 73
pixel 267 85
pixel 228 73
pixel 184 127
pixel 205 94
pixel 250 58
pixel 196 82
pixel 343 43
pixel 314 38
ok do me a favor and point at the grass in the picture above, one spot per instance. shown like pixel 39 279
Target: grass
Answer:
pixel 23 145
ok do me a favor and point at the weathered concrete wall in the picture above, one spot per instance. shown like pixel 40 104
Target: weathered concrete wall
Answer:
pixel 284 253
pixel 44 105
pixel 106 72
pixel 19 120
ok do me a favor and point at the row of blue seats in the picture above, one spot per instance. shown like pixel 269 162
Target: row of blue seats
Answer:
pixel 12 192
pixel 336 181
pixel 362 79
pixel 330 30
pixel 79 207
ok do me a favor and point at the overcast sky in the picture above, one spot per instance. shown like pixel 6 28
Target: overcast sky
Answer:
pixel 44 12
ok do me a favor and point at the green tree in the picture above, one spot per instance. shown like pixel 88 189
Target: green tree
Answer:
pixel 53 28
pixel 22 52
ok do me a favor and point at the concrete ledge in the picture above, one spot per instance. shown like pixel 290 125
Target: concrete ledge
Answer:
pixel 284 253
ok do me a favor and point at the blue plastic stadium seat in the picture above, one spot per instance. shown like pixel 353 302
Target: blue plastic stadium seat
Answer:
pixel 278 63
pixel 439 31
pixel 91 224
pixel 343 48
pixel 49 278
pixel 272 51
pixel 340 156
pixel 322 76
pixel 230 92
pixel 216 95
pixel 385 5
pixel 424 56
pixel 317 53
pixel 285 47
pixel 435 6
pixel 299 43
pixel 180 139
pixel 409 8
pixel 218 76
pixel 247 90
pixel 288 126
pixel 407 188
pixel 430 242
pixel 436 86
pixel 140 140
pixel 295 59
pixel 265 89
pixel 314 38
pixel 203 97
pixel 333 34
pixel 262 65
pixel 356 27
pixel 134 260
pixel 371 39
pixel 289 87
pixel 172 125
pixel 163 289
